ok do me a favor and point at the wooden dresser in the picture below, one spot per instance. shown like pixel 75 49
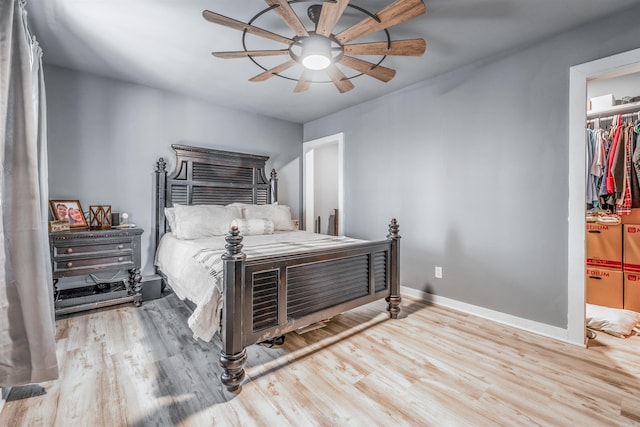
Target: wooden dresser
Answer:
pixel 106 263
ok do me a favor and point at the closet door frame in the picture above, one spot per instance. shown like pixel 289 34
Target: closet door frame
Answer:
pixel 308 190
pixel 580 75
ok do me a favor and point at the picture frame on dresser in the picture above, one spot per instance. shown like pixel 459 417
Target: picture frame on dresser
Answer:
pixel 69 210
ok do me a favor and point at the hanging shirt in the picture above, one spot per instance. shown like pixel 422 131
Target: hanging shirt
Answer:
pixel 635 183
pixel 605 197
pixel 592 191
pixel 612 159
pixel 599 155
pixel 635 159
pixel 624 206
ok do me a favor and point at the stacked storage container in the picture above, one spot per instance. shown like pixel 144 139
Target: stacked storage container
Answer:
pixel 604 265
pixel 613 263
pixel 631 266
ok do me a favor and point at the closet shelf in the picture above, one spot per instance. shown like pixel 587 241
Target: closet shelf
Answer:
pixel 631 107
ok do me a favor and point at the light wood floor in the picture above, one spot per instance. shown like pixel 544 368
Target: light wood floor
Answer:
pixel 433 367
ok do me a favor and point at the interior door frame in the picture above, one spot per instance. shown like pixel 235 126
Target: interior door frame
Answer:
pixel 307 178
pixel 579 75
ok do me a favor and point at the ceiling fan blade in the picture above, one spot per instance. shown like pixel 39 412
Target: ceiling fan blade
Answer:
pixel 245 53
pixel 412 47
pixel 397 12
pixel 287 14
pixel 339 79
pixel 370 69
pixel 304 82
pixel 329 17
pixel 216 18
pixel 272 71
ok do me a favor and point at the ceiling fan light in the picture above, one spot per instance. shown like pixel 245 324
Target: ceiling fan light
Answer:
pixel 316 61
pixel 316 53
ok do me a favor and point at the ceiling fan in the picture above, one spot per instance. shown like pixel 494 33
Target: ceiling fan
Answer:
pixel 319 50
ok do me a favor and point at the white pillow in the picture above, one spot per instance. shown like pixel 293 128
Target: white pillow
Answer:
pixel 614 321
pixel 197 221
pixel 254 227
pixel 279 214
pixel 170 216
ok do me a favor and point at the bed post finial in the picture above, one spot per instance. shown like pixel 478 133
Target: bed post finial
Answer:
pixel 394 297
pixel 393 229
pixel 273 182
pixel 234 245
pixel 161 165
pixel 233 355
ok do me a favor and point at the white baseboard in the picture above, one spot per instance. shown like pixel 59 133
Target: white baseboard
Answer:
pixel 496 316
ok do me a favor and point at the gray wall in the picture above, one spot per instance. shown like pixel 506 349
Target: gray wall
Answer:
pixel 106 135
pixel 474 164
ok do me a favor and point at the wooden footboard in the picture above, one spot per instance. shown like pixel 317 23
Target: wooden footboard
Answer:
pixel 269 296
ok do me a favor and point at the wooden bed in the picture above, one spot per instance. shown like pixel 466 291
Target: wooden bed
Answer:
pixel 268 296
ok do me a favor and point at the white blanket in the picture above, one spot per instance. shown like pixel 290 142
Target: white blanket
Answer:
pixel 194 269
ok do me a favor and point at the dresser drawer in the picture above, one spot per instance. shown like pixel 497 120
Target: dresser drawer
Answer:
pixel 76 247
pixel 102 257
pixel 79 253
pixel 69 264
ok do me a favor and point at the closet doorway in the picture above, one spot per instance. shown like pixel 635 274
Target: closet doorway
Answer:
pixel 323 184
pixel 616 66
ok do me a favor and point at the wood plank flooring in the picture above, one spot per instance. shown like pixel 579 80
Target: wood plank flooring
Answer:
pixel 128 366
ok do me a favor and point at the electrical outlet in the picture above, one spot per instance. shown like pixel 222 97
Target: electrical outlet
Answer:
pixel 438 272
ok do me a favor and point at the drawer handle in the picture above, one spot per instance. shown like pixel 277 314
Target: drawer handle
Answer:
pixel 120 246
pixel 120 259
pixel 69 264
pixel 69 250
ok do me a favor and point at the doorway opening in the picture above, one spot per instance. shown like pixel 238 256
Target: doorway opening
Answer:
pixel 323 184
pixel 580 75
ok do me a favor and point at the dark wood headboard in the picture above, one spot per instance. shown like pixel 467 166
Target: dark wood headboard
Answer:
pixel 203 176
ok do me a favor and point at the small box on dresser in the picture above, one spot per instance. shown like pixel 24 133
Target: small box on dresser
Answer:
pixel 113 253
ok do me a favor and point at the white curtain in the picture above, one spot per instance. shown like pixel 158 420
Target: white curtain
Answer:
pixel 27 325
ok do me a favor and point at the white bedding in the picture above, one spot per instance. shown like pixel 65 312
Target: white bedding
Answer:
pixel 197 282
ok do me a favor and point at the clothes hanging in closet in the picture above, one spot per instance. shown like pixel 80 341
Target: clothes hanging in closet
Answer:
pixel 613 165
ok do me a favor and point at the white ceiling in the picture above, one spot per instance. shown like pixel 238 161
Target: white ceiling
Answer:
pixel 167 44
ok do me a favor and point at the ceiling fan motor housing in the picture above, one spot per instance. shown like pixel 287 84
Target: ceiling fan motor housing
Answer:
pixel 313 12
pixel 306 49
